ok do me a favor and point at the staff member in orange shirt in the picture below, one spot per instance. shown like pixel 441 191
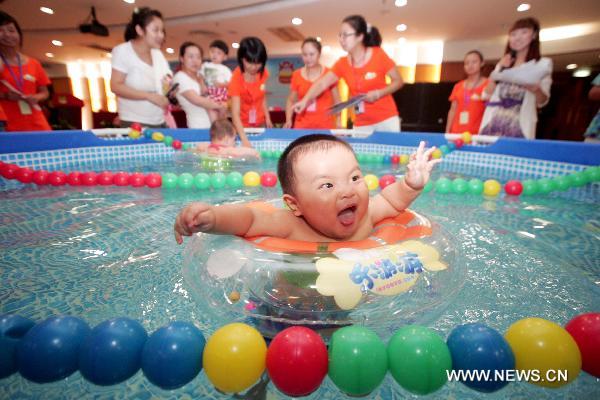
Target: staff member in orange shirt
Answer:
pixel 315 116
pixel 22 81
pixel 247 88
pixel 468 106
pixel 364 70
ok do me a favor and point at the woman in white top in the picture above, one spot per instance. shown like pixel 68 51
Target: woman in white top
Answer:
pixel 519 85
pixel 140 72
pixel 189 92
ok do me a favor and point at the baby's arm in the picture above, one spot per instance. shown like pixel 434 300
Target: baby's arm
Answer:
pixel 233 219
pixel 399 195
pixel 242 152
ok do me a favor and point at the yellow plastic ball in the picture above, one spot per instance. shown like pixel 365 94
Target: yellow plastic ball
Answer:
pixel 251 178
pixel 491 187
pixel 371 181
pixel 466 137
pixel 404 159
pixel 437 153
pixel 234 357
pixel 159 137
pixel 542 345
pixel 134 134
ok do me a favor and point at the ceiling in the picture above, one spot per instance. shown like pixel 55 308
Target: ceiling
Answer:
pixel 202 21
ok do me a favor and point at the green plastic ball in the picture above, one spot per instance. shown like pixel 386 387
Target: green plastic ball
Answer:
pixel 202 181
pixel 185 180
pixel 218 180
pixel 546 185
pixel 530 187
pixel 459 186
pixel 168 141
pixel 234 180
pixel 169 180
pixel 443 186
pixel 475 186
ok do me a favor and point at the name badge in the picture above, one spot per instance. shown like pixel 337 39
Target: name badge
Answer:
pixel 252 116
pixel 359 108
pixel 312 107
pixel 463 118
pixel 24 107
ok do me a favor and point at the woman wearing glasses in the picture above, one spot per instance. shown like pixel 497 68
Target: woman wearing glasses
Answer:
pixel 364 70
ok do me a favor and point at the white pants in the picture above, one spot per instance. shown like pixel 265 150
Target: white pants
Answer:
pixel 391 124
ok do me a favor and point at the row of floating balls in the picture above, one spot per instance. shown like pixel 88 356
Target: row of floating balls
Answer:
pixel 297 360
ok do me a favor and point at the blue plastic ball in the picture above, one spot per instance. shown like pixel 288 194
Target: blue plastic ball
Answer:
pixel 12 329
pixel 172 355
pixel 148 133
pixel 112 353
pixel 477 347
pixel 387 159
pixel 444 149
pixel 451 146
pixel 50 350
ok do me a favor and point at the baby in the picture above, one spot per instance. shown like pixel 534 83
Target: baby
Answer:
pixel 327 197
pixel 216 76
pixel 222 142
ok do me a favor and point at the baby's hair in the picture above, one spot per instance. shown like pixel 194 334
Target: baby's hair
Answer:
pixel 300 146
pixel 221 45
pixel 221 129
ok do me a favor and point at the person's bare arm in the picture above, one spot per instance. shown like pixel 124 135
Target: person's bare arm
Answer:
pixel 41 95
pixel 451 114
pixel 394 85
pixel 201 101
pixel 237 120
pixel 119 88
pixel 315 90
pixel 289 110
pixel 268 122
pixel 249 152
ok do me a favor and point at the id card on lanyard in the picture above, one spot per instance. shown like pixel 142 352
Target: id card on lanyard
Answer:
pixel 359 108
pixel 19 79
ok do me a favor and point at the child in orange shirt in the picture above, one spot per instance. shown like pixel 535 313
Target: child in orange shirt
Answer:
pixel 316 115
pixel 468 105
pixel 222 142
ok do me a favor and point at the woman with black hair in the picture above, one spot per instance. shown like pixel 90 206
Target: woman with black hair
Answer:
pixel 247 88
pixel 364 69
pixel 140 73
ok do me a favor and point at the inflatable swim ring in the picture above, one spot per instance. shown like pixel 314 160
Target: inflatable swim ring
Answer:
pixel 212 163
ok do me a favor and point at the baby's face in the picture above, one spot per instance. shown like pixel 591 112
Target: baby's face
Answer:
pixel 330 191
pixel 217 55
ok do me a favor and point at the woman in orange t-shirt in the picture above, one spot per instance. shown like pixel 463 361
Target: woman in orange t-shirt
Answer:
pixel 468 106
pixel 316 115
pixel 247 88
pixel 22 81
pixel 364 70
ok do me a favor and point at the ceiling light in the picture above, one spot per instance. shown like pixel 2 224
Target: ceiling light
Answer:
pixel 571 66
pixel 566 32
pixel 401 27
pixel 402 40
pixel 57 43
pixel 523 7
pixel 47 10
pixel 582 73
pixel 400 3
pixel 235 45
pixel 296 21
pixel 49 55
pixel 108 55
pixel 318 38
pixel 170 50
pixel 129 1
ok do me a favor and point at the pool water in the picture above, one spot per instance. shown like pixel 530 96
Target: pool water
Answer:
pixel 99 252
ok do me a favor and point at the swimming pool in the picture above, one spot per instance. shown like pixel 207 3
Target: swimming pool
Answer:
pixel 101 252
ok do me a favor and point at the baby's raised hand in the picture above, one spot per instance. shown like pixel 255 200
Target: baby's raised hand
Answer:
pixel 195 217
pixel 420 166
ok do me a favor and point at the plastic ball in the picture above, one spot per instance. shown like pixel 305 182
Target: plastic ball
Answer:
pixel 9 171
pixel 202 181
pixel 185 181
pixel 235 357
pixel 297 361
pixel 479 347
pixel 50 350
pixel 168 141
pixel 428 187
pixel 545 185
pixel 514 188
pixel 404 159
pixel 386 180
pixel 466 137
pixel 530 187
pixel 357 360
pixel 542 345
pixel 24 175
pixel 371 181
pixel 443 185
pixel 251 178
pixel 136 126
pixel 444 149
pixel 218 180
pixel 157 136
pixel 12 329
pixel 147 133
pixel 112 352
pixel 585 330
pixel 186 146
pixel 234 180
pixel 169 180
pixel 387 159
pixel 134 134
pixel 40 177
pixel 395 159
pixel 268 179
pixel 475 186
pixel 105 178
pixel 592 174
pixel 137 179
pixel 562 183
pixel 491 187
pixel 88 178
pixel 459 143
pixel 371 158
pixel 451 146
pixel 172 355
pixel 153 180
pixel 418 359
pixel 121 178
pixel 360 157
pixel 459 186
pixel 74 178
pixel 176 144
pixel 57 178
pixel 579 178
pixel 437 153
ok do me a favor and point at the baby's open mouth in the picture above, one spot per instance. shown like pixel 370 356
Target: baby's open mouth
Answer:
pixel 347 216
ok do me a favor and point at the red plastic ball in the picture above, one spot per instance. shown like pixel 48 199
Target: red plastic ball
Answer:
pixel 9 171
pixel 514 188
pixel 74 178
pixel 121 179
pixel 25 175
pixel 585 329
pixel 176 144
pixel 105 178
pixel 459 143
pixel 386 180
pixel 40 177
pixel 297 361
pixel 153 180
pixel 136 127
pixel 395 159
pixel 137 179
pixel 88 178
pixel 268 179
pixel 57 178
